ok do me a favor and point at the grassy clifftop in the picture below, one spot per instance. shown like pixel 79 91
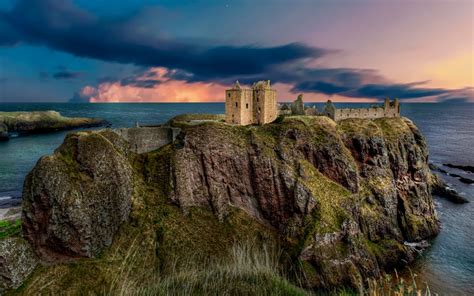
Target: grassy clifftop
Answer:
pixel 299 203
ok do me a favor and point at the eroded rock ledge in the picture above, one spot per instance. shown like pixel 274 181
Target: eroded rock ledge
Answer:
pixel 341 198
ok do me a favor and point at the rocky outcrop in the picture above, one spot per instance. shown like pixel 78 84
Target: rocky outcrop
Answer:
pixel 41 122
pixel 75 200
pixel 440 188
pixel 17 261
pixel 347 200
pixel 466 168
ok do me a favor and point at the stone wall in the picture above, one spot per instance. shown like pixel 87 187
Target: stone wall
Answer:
pixel 388 109
pixel 146 139
pixel 265 110
pixel 368 113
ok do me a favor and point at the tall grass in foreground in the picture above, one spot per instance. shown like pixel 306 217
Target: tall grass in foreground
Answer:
pixel 248 270
pixel 397 286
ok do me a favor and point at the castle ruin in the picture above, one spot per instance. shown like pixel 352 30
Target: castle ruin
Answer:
pixel 256 105
pixel 388 109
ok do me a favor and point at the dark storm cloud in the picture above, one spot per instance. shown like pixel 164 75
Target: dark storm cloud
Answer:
pixel 358 83
pixel 60 73
pixel 321 87
pixel 401 91
pixel 65 74
pixel 8 35
pixel 459 95
pixel 370 90
pixel 60 25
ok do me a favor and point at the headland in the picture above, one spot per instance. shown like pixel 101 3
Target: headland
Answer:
pixel 24 123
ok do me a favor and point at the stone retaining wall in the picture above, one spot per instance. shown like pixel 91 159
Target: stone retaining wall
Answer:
pixel 146 139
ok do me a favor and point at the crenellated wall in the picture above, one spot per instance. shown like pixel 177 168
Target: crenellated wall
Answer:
pixel 146 139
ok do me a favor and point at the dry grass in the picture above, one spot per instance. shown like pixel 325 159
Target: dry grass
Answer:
pixel 247 270
pixel 397 286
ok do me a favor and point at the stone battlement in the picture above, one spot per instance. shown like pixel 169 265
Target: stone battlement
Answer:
pixel 388 109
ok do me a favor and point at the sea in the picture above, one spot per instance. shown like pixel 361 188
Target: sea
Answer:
pixel 447 266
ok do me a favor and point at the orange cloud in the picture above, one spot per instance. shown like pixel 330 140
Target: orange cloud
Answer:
pixel 163 90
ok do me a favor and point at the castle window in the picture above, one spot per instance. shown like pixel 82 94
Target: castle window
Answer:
pixel 228 95
pixel 247 106
pixel 236 104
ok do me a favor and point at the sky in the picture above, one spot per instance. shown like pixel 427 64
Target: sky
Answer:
pixel 191 51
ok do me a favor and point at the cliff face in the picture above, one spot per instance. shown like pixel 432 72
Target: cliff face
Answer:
pixel 340 198
pixel 347 195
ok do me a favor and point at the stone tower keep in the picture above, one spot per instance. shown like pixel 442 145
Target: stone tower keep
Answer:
pixel 257 105
pixel 239 105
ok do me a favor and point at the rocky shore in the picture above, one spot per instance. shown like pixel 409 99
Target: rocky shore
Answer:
pixel 345 202
pixel 41 122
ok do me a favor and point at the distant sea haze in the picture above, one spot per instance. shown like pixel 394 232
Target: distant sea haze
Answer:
pixel 448 266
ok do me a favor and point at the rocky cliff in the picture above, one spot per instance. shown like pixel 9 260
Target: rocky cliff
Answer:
pixel 340 199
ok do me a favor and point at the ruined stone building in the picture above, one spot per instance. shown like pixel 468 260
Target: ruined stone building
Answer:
pixel 256 105
pixel 388 109
pixel 297 107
